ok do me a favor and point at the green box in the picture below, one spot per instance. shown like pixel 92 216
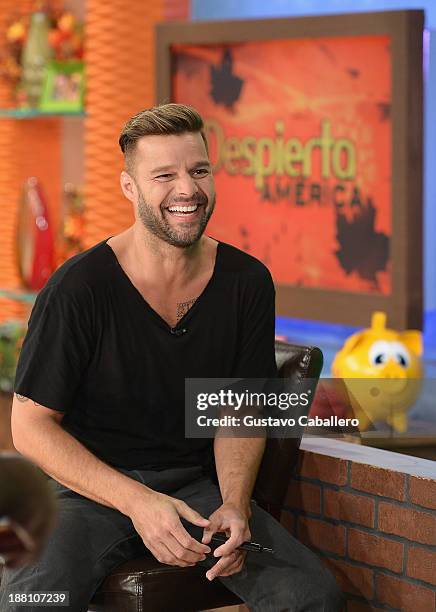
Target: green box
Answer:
pixel 64 87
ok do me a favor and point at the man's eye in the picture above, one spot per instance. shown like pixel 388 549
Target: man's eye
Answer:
pixel 201 172
pixel 164 176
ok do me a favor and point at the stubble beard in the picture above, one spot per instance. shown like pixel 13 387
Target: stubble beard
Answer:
pixel 157 223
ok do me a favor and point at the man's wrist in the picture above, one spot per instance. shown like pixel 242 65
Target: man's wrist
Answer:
pixel 242 504
pixel 130 494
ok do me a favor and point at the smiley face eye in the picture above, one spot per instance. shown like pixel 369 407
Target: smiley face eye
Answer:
pixel 379 353
pixel 400 354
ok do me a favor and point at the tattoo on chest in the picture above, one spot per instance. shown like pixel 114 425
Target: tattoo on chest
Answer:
pixel 183 308
pixel 23 398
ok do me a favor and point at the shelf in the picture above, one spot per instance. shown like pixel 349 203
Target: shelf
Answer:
pixel 28 297
pixel 33 113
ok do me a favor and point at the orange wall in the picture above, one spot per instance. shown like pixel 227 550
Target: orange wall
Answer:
pixel 120 82
pixel 8 182
pixel 27 148
pixel 120 75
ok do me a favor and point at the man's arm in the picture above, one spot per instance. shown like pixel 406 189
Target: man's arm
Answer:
pixel 237 463
pixel 237 460
pixel 38 434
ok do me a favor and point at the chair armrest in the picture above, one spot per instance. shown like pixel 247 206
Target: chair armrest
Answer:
pixel 295 363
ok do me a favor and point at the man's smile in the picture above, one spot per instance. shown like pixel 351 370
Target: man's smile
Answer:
pixel 188 212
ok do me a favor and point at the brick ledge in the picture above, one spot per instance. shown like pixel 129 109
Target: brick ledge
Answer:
pixel 369 455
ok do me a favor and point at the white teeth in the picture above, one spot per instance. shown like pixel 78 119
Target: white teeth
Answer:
pixel 183 208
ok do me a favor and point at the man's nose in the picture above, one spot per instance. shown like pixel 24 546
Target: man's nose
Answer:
pixel 185 185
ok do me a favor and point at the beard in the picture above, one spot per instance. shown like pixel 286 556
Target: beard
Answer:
pixel 158 223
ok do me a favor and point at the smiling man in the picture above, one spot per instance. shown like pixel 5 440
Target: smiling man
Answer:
pixel 99 391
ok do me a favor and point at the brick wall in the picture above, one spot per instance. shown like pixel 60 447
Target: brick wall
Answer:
pixel 375 528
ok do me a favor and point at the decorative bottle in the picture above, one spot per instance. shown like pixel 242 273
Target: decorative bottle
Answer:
pixel 36 53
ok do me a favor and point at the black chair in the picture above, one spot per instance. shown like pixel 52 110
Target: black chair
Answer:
pixel 146 585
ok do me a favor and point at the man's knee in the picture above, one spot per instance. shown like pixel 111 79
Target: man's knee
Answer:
pixel 306 591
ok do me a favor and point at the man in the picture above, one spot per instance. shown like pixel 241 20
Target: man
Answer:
pixel 99 393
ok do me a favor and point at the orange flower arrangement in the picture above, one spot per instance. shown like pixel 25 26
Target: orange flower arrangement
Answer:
pixel 65 38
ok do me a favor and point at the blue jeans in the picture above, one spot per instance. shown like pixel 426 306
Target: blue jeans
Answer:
pixel 90 540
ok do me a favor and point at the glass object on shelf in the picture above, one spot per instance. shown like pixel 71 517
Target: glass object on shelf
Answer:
pixel 35 244
pixel 36 54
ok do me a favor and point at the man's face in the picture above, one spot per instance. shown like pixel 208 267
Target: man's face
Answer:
pixel 176 194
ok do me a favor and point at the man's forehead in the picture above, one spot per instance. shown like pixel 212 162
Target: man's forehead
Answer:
pixel 171 146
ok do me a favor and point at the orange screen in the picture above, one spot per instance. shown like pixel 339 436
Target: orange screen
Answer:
pixel 300 138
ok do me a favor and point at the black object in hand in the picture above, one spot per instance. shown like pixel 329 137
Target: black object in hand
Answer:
pixel 249 546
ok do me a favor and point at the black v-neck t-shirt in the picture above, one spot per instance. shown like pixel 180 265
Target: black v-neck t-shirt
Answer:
pixel 96 351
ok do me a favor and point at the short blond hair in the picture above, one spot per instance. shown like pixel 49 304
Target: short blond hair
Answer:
pixel 164 119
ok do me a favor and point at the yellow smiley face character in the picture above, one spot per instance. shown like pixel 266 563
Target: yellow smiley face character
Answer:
pixel 382 369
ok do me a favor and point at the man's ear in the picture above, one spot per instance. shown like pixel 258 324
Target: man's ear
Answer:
pixel 128 186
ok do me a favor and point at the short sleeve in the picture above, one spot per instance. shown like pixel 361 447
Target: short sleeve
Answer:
pixel 256 353
pixel 56 349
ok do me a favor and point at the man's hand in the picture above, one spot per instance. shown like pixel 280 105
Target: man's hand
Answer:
pixel 156 518
pixel 234 522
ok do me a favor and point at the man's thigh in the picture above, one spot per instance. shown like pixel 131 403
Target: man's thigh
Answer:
pixel 88 541
pixel 292 579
